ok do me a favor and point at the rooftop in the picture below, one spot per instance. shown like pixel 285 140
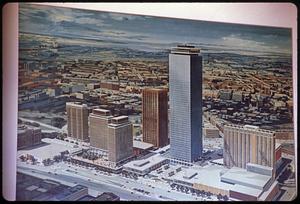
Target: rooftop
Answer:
pixel 242 176
pixel 76 104
pixel 141 145
pixel 99 111
pixel 216 176
pixel 185 49
pixel 208 175
pixel 145 164
pixel 120 117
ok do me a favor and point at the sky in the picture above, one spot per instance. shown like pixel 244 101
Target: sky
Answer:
pixel 138 29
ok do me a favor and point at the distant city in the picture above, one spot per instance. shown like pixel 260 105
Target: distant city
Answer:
pixel 125 107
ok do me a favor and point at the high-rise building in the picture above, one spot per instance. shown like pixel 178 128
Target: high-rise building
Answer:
pixel 185 95
pixel 98 128
pixel 77 120
pixel 120 140
pixel 248 144
pixel 155 116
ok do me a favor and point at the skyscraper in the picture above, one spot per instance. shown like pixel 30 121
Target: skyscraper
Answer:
pixel 77 115
pixel 185 86
pixel 248 144
pixel 155 116
pixel 120 140
pixel 98 130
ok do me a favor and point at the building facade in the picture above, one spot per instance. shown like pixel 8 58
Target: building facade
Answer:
pixel 185 94
pixel 120 140
pixel 155 116
pixel 248 144
pixel 77 118
pixel 28 137
pixel 98 128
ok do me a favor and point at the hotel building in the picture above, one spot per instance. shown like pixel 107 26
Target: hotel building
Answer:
pixel 98 128
pixel 120 140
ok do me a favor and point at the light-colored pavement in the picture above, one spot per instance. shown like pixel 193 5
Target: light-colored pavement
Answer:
pixel 98 186
pixel 124 187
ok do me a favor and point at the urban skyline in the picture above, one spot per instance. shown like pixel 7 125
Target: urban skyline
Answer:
pixel 112 106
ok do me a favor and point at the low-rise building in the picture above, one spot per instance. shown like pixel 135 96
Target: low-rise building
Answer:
pixel 140 147
pixel 236 183
pixel 210 131
pixel 144 166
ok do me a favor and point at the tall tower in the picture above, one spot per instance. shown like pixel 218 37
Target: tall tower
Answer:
pixel 155 116
pixel 120 140
pixel 77 114
pixel 185 86
pixel 98 130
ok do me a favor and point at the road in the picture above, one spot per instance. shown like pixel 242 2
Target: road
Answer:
pixel 43 125
pixel 117 184
pixel 94 185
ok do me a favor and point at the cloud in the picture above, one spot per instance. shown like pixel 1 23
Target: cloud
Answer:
pixel 235 40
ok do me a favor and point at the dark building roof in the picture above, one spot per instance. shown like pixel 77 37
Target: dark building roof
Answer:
pixel 107 196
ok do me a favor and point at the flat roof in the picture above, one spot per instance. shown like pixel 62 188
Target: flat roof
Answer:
pixel 101 110
pixel 141 145
pixel 242 176
pixel 208 175
pixel 211 175
pixel 120 117
pixel 149 162
pixel 260 166
pixel 77 104
pixel 189 173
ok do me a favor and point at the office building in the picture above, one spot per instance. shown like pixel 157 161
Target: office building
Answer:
pixel 155 116
pixel 28 137
pixel 248 144
pixel 77 118
pixel 98 128
pixel 120 140
pixel 185 95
